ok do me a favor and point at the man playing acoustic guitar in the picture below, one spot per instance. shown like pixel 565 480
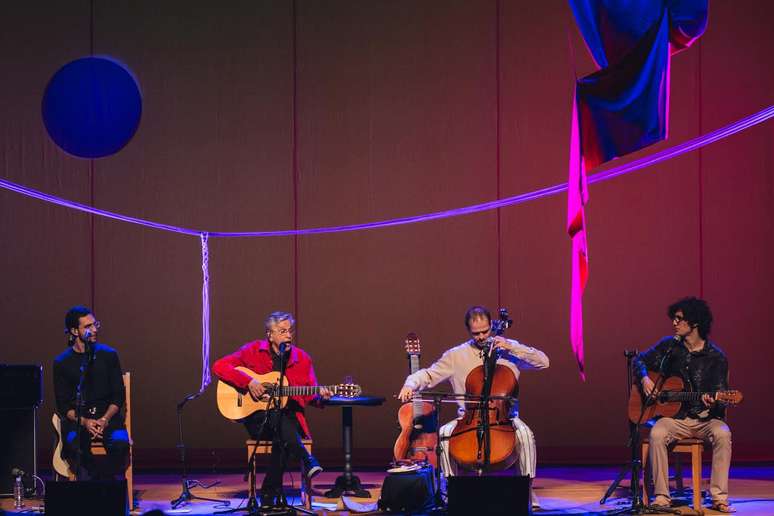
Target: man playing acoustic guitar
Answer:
pixel 263 356
pixel 703 368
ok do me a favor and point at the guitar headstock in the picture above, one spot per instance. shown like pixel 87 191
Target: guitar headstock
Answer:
pixel 729 397
pixel 347 390
pixel 412 344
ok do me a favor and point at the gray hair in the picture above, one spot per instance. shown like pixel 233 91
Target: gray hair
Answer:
pixel 278 317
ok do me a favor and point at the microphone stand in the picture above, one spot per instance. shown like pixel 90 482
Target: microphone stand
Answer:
pixel 489 356
pixel 277 441
pixel 638 506
pixel 85 366
pixel 186 495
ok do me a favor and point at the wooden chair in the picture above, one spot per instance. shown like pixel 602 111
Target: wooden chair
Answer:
pixel 98 448
pixel 264 447
pixel 693 446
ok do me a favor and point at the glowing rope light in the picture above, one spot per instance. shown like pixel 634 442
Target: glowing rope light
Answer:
pixel 206 378
pixel 666 154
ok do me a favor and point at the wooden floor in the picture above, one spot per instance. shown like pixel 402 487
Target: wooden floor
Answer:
pixel 562 490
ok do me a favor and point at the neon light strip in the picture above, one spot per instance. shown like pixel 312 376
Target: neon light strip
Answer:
pixel 663 155
pixel 206 378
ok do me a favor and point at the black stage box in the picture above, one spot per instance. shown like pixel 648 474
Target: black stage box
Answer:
pixel 21 386
pixel 408 492
pixel 105 498
pixel 493 496
pixel 21 393
pixel 18 446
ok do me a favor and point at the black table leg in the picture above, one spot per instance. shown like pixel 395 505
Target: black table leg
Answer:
pixel 347 483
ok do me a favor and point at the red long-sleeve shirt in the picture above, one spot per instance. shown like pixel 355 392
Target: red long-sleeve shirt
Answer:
pixel 256 356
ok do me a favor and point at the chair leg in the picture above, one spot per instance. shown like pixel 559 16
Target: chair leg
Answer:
pixel 696 475
pixel 130 485
pixel 679 486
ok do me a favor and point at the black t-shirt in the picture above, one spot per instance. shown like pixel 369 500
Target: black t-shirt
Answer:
pixel 102 386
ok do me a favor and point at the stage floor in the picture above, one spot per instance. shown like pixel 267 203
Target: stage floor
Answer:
pixel 562 490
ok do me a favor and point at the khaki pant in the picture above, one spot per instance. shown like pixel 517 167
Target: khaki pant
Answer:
pixel 715 431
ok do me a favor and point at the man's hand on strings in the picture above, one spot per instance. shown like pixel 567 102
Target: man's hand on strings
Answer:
pixel 647 385
pixel 257 390
pixel 325 393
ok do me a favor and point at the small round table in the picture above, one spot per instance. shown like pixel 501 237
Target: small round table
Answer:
pixel 349 483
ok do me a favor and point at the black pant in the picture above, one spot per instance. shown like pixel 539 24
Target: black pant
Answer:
pixel 289 442
pixel 116 441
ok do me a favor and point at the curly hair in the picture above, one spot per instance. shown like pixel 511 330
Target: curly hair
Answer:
pixel 696 312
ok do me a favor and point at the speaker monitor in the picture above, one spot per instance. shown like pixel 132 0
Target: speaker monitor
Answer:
pixel 106 498
pixel 493 495
pixel 408 492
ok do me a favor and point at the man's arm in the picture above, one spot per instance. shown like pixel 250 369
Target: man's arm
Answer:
pixel 117 391
pixel 224 368
pixel 441 369
pixel 63 393
pixel 528 357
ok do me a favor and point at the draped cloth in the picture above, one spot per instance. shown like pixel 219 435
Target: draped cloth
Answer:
pixel 622 107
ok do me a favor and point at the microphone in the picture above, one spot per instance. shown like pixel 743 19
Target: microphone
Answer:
pixel 677 339
pixel 284 346
pixel 17 472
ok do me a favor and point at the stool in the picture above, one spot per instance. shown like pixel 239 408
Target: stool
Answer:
pixel 692 446
pixel 264 447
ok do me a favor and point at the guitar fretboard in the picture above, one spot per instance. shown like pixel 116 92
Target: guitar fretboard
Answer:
pixel 305 390
pixel 683 395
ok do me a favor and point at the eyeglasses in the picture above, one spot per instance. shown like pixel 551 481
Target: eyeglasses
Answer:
pixel 482 332
pixel 282 331
pixel 677 319
pixel 96 325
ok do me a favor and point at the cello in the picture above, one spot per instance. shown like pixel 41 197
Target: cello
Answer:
pixel 418 419
pixel 484 439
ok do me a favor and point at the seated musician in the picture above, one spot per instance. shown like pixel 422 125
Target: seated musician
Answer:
pixel 455 364
pixel 262 356
pixel 102 399
pixel 703 367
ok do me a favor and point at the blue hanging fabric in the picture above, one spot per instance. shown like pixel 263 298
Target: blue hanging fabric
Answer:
pixel 622 107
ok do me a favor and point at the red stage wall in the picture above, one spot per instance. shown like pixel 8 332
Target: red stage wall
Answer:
pixel 275 115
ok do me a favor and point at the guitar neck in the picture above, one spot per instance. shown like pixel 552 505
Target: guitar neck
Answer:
pixel 684 395
pixel 304 390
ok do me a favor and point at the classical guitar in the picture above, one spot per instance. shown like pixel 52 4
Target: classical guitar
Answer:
pixel 418 419
pixel 669 397
pixel 61 467
pixel 236 403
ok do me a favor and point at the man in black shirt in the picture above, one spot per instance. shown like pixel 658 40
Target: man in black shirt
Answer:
pixel 703 367
pixel 102 396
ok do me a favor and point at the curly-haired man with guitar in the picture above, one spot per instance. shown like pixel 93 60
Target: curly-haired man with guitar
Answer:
pixel 703 369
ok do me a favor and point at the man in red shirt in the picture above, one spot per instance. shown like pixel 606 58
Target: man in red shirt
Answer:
pixel 262 357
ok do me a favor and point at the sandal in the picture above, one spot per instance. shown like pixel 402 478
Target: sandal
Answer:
pixel 723 507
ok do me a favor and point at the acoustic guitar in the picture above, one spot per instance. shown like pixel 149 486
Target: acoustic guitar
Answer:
pixel 61 467
pixel 670 396
pixel 417 418
pixel 236 403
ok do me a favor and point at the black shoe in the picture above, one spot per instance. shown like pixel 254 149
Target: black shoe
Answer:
pixel 270 497
pixel 312 468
